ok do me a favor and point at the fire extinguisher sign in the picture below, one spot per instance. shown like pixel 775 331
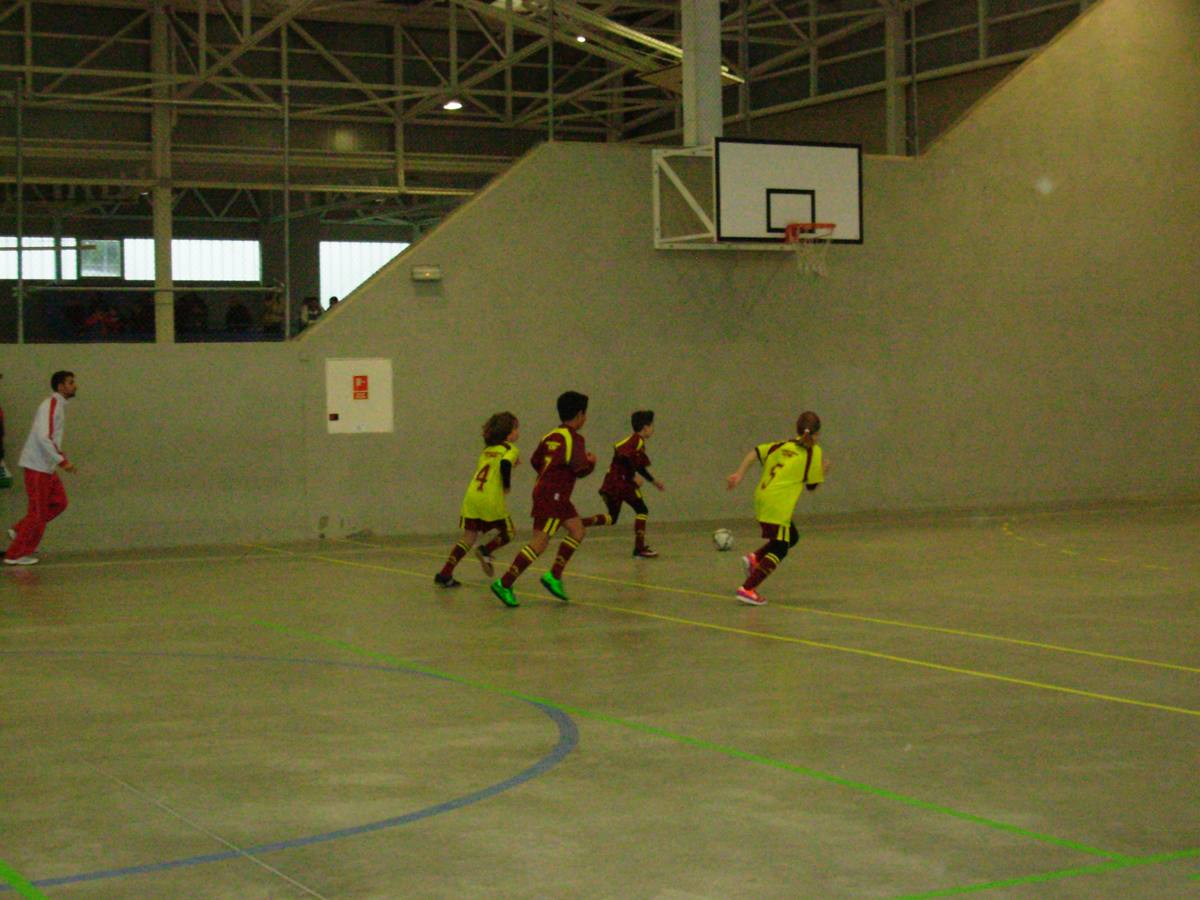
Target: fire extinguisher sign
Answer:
pixel 358 395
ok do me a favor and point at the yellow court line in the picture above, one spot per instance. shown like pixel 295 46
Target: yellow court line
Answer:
pixel 818 644
pixel 334 559
pixel 874 620
pixel 891 658
pixel 913 625
pixel 1007 528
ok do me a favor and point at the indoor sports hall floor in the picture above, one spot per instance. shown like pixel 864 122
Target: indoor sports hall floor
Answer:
pixel 1004 705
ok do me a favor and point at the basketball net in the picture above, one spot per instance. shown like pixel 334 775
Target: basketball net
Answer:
pixel 810 241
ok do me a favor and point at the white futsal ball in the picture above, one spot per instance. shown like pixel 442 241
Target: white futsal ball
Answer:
pixel 723 539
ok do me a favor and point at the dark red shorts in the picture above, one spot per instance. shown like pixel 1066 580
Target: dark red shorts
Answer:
pixel 554 509
pixel 481 525
pixel 621 492
pixel 773 532
pixel 549 524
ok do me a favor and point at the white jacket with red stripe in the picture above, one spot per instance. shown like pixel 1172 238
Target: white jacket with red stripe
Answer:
pixel 42 451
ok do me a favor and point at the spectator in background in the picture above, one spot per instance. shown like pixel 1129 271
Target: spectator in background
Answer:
pixel 310 311
pixel 195 315
pixel 137 317
pixel 333 301
pixel 272 317
pixel 103 322
pixel 237 318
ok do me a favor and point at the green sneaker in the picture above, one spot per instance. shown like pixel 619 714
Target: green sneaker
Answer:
pixel 505 595
pixel 554 586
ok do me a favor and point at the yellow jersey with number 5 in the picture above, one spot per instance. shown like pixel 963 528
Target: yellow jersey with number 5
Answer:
pixel 788 467
pixel 485 494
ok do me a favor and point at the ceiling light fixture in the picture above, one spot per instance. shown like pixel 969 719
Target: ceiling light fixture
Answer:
pixel 452 104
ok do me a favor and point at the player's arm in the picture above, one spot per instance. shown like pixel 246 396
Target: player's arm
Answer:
pixel 733 480
pixel 43 430
pixel 824 472
pixel 645 473
pixel 642 466
pixel 582 461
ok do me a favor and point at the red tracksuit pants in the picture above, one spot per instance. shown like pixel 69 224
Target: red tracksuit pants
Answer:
pixel 47 499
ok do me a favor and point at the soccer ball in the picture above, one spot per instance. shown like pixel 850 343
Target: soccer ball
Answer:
pixel 723 539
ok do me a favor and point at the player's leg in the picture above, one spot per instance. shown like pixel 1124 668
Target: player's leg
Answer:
pixel 56 499
pixel 552 580
pixel 446 578
pixel 781 538
pixel 750 560
pixel 543 529
pixel 487 553
pixel 613 504
pixel 640 516
pixel 30 529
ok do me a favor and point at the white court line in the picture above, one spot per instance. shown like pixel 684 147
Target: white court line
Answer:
pixel 204 831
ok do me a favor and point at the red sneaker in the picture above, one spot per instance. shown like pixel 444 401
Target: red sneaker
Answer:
pixel 749 563
pixel 750 596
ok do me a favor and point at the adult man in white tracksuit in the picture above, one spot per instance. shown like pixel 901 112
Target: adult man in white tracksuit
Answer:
pixel 41 458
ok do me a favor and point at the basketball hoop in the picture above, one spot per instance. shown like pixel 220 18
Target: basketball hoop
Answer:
pixel 811 241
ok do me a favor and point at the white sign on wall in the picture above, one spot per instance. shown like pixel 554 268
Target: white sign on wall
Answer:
pixel 358 396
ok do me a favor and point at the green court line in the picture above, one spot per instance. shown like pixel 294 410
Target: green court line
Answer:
pixel 19 884
pixel 700 743
pixel 1098 869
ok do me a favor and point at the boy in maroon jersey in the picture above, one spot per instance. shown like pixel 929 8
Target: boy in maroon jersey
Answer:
pixel 621 485
pixel 559 459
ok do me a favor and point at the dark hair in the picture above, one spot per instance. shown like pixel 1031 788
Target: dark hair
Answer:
pixel 59 377
pixel 807 426
pixel 571 404
pixel 498 427
pixel 641 419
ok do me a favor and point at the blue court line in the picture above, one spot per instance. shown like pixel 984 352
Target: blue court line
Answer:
pixel 568 739
pixel 17 882
pixel 687 740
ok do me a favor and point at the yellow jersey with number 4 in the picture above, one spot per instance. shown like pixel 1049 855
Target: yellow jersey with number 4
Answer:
pixel 485 494
pixel 788 467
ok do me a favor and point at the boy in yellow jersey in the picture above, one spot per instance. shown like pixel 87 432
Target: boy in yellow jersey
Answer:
pixel 789 467
pixel 484 507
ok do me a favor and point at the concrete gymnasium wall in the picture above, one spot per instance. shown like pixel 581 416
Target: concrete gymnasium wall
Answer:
pixel 1019 327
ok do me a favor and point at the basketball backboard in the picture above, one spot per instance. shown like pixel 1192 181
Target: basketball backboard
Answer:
pixel 761 186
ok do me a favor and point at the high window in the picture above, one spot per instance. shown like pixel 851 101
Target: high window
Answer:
pixel 347 264
pixel 196 260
